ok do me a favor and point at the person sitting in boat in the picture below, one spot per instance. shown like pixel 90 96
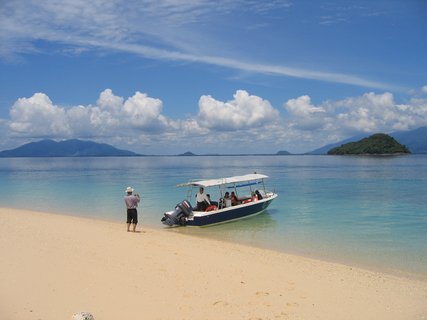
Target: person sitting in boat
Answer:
pixel 234 199
pixel 227 200
pixel 254 196
pixel 221 203
pixel 258 194
pixel 213 203
pixel 202 200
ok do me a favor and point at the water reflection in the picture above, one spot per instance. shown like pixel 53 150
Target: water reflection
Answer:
pixel 249 231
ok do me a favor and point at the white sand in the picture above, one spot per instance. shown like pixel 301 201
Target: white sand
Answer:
pixel 53 266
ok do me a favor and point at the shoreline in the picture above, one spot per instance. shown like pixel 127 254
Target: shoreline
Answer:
pixel 56 265
pixel 418 276
pixel 189 231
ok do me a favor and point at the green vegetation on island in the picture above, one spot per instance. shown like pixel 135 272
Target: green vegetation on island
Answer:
pixel 377 144
pixel 187 154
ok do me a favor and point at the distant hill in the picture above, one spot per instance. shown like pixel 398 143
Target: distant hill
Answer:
pixel 379 143
pixel 415 140
pixel 283 153
pixel 187 154
pixel 66 148
pixel 326 148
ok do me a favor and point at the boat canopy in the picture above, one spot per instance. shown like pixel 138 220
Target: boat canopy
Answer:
pixel 222 181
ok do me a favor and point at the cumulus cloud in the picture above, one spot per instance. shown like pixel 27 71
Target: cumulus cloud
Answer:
pixel 302 106
pixel 424 89
pixel 246 123
pixel 138 121
pixel 367 113
pixel 37 116
pixel 243 112
pixel 304 115
pixel 143 111
pixel 378 112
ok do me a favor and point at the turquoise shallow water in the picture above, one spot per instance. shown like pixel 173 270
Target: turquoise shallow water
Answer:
pixel 369 211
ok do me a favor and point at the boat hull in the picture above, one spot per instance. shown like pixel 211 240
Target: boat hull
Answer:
pixel 201 219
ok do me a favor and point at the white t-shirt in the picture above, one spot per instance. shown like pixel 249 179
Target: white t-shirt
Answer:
pixel 200 197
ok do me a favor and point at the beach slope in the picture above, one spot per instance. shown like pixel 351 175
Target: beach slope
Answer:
pixel 53 266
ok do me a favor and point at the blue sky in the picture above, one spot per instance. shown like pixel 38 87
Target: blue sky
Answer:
pixel 167 76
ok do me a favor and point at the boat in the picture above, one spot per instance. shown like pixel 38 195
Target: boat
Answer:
pixel 252 199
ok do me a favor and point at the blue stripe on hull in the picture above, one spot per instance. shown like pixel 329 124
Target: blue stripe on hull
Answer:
pixel 225 216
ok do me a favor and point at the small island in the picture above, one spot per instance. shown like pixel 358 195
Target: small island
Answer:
pixel 377 144
pixel 187 154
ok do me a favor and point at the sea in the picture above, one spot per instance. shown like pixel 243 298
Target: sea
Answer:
pixel 364 211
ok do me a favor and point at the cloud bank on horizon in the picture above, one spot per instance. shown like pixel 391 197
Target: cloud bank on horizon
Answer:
pixel 259 41
pixel 138 122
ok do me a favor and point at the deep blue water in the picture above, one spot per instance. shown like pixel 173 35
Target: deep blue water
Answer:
pixel 369 211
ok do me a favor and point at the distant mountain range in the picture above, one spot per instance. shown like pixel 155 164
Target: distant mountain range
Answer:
pixel 66 148
pixel 414 140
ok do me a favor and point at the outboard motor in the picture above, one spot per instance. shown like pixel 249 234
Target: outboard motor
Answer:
pixel 179 216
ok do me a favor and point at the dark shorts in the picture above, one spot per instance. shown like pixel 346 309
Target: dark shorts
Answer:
pixel 201 206
pixel 132 216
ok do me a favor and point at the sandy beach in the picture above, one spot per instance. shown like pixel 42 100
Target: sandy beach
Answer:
pixel 53 266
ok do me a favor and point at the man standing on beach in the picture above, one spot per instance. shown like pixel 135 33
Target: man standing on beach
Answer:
pixel 131 202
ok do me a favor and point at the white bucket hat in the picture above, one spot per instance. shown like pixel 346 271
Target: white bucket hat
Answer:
pixel 129 189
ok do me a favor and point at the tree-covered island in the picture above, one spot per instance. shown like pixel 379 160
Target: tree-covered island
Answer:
pixel 377 144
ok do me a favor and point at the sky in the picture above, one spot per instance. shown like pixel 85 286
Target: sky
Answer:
pixel 223 76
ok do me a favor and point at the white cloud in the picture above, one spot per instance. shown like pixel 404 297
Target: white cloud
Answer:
pixel 161 30
pixel 424 89
pixel 142 111
pixel 302 106
pixel 243 112
pixel 375 112
pixel 109 102
pixel 368 113
pixel 246 123
pixel 303 115
pixel 138 123
pixel 37 116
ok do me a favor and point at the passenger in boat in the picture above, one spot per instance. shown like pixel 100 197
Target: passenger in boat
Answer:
pixel 258 194
pixel 234 199
pixel 254 197
pixel 221 203
pixel 214 203
pixel 227 200
pixel 202 200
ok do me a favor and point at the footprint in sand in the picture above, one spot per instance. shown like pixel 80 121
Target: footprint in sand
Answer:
pixel 220 303
pixel 262 293
pixel 292 304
